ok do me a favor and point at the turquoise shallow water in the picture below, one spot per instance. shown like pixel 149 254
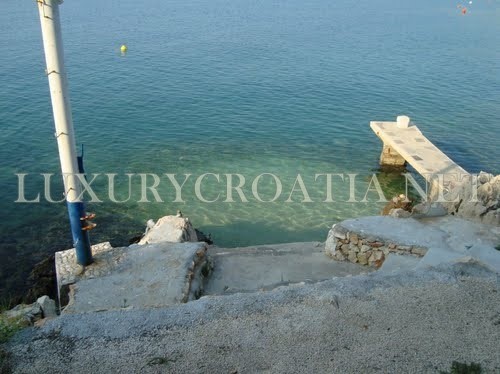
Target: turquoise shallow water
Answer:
pixel 248 87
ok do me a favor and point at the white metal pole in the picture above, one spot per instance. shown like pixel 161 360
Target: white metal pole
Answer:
pixel 54 56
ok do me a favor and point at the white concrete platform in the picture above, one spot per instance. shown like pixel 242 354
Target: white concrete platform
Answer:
pixel 427 159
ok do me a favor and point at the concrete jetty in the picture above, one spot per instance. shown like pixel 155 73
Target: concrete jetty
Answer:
pixel 404 143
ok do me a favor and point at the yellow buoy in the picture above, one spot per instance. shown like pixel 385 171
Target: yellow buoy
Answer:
pixel 123 48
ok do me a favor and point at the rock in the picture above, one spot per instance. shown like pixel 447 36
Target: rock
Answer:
pixel 362 259
pixel 353 247
pixel 339 232
pixel 345 249
pixel 485 192
pixel 149 224
pixel 365 248
pixel 406 248
pixel 48 306
pixel 419 251
pixel 354 238
pixel 376 244
pixel 331 243
pixel 484 177
pixel 170 229
pixel 485 209
pixel 30 313
pixel 352 257
pixel 429 210
pixel 376 256
pixel 398 202
pixel 399 213
pixel 135 239
pixel 204 238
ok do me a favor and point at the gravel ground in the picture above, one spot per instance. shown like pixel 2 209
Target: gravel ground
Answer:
pixel 390 323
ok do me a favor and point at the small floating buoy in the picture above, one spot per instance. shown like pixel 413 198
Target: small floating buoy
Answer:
pixel 123 48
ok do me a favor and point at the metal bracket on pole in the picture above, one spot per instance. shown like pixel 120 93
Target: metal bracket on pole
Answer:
pixel 61 133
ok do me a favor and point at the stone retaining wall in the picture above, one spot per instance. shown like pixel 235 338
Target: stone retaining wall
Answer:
pixel 345 245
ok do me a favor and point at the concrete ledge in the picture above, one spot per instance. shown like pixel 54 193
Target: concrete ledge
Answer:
pixel 267 267
pixel 148 276
pixel 370 240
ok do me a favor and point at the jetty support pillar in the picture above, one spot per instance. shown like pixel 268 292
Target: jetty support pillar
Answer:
pixel 389 156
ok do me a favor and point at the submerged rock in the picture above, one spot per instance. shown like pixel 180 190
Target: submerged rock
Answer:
pixel 396 205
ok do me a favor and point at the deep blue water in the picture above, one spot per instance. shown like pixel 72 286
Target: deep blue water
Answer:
pixel 240 86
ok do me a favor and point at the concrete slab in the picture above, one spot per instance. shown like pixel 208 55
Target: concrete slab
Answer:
pixel 417 150
pixel 266 267
pixel 148 276
pixel 68 271
pixel 397 262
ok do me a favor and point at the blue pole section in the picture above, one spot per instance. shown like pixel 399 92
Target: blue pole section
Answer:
pixel 63 121
pixel 81 239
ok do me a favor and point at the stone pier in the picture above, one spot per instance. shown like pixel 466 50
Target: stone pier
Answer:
pixel 405 143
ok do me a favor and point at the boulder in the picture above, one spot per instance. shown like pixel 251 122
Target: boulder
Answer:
pixel 331 243
pixel 174 229
pixel 484 209
pixel 48 306
pixel 30 313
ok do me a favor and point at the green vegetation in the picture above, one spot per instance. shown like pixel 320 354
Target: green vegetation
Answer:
pixel 9 326
pixel 462 368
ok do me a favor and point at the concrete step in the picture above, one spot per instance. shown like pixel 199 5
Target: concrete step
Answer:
pixel 265 267
pixel 165 274
pixel 135 277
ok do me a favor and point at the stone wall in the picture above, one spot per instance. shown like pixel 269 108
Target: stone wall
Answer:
pixel 345 245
